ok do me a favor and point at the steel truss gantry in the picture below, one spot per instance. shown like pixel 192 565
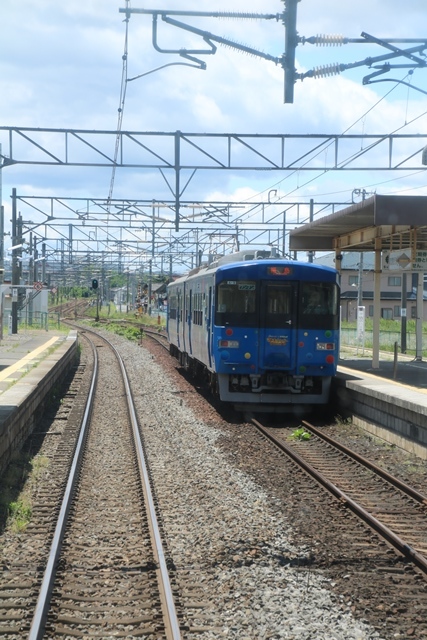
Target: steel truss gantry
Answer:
pixel 122 234
pixel 172 153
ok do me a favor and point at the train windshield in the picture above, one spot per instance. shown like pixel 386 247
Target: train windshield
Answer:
pixel 277 306
pixel 236 303
pixel 248 303
pixel 319 305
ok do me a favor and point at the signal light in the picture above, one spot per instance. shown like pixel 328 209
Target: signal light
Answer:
pixel 94 283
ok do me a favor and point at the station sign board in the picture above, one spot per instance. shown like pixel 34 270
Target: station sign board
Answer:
pixel 404 260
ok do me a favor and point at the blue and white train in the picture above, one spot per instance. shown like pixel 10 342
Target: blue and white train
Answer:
pixel 263 330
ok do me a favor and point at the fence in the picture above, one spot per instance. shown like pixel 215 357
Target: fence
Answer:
pixel 387 340
pixel 33 320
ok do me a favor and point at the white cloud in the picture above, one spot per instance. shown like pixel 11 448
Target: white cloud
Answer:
pixel 61 65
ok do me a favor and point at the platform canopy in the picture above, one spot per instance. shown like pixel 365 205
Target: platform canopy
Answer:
pixel 399 222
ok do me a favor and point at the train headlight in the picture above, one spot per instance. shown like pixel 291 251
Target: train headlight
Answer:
pixel 229 344
pixel 325 346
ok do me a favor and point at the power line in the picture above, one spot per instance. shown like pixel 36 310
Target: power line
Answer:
pixel 121 108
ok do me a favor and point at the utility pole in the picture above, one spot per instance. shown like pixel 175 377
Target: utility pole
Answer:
pixel 15 269
pixel 360 281
pixel 311 253
pixel 1 224
pixel 291 41
pixel 403 314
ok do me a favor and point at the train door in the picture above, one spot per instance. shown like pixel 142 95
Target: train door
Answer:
pixel 208 320
pixel 179 318
pixel 189 316
pixel 278 312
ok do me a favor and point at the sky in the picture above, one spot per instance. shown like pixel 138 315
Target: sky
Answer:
pixel 61 66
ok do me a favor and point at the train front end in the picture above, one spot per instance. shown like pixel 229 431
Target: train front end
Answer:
pixel 276 334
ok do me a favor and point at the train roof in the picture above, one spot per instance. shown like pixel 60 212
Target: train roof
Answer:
pixel 233 260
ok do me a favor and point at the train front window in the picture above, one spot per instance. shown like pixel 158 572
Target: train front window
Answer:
pixel 319 304
pixel 278 304
pixel 236 303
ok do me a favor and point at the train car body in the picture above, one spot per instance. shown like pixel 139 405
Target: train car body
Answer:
pixel 263 329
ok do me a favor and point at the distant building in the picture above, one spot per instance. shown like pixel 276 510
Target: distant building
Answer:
pixel 391 288
pixel 32 303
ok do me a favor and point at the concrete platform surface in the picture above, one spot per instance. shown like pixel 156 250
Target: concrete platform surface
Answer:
pixel 405 370
pixel 21 352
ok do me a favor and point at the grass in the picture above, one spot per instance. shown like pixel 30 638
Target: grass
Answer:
pixel 19 515
pixel 129 332
pixel 17 485
pixel 111 313
pixel 300 434
pixel 114 321
pixel 385 325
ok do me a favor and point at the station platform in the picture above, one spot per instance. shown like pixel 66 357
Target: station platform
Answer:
pixel 32 364
pixel 23 351
pixel 388 401
pixel 406 370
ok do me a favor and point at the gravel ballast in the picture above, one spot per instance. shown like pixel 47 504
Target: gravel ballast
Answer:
pixel 219 523
pixel 249 541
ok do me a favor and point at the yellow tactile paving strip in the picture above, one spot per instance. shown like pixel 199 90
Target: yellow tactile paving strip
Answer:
pixel 6 373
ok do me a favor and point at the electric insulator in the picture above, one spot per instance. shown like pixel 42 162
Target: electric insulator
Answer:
pixel 327 70
pixel 335 40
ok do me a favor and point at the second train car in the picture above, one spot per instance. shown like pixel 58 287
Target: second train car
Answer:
pixel 264 330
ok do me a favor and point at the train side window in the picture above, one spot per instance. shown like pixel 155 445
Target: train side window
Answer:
pixel 172 307
pixel 236 303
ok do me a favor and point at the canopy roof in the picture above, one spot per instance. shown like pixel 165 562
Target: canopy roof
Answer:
pixel 400 222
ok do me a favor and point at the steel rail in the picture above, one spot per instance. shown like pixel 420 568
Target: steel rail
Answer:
pixel 43 601
pixel 170 609
pixel 406 550
pixel 159 338
pixel 399 484
pixel 42 607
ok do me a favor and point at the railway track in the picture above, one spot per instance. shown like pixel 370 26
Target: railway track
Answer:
pixel 366 574
pixel 396 511
pixel 159 338
pixel 70 308
pixel 21 573
pixel 105 573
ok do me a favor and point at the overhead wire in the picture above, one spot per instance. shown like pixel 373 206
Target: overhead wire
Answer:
pixel 121 107
pixel 322 173
pixel 292 173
